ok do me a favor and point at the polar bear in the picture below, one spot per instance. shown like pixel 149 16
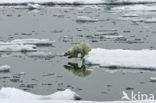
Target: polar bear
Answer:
pixel 82 49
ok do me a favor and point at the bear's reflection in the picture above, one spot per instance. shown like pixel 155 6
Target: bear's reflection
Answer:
pixel 76 70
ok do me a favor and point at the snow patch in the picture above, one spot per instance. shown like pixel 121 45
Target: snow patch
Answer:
pixel 17 94
pixel 119 58
pixel 17 48
pixel 13 95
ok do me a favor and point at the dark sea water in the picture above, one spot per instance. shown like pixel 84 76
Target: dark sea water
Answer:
pixel 129 28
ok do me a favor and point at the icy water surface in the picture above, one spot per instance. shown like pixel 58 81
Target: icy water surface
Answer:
pixel 103 26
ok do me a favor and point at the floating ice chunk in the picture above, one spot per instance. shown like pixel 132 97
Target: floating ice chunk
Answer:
pixel 33 41
pixel 151 20
pixel 22 73
pixel 144 59
pixel 5 43
pixel 13 93
pixel 17 48
pixel 33 6
pixel 113 36
pixel 134 19
pixel 153 79
pixel 130 15
pixel 106 32
pixel 135 8
pixel 85 19
pixel 5 68
pixel 40 55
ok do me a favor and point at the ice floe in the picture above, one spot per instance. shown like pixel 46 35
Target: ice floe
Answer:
pixel 32 41
pixel 130 15
pixel 33 6
pixel 150 20
pixel 153 79
pixel 13 95
pixel 5 68
pixel 17 94
pixel 85 19
pixel 28 42
pixel 17 48
pixel 118 58
pixel 76 1
pixel 23 45
pixel 113 36
pixel 135 8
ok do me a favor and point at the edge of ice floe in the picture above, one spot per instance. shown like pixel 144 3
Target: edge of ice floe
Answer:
pixel 13 95
pixel 121 59
pixel 5 68
pixel 17 48
pixel 17 94
pixel 71 2
pixel 23 45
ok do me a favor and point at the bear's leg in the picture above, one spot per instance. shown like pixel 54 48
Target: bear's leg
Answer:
pixel 83 61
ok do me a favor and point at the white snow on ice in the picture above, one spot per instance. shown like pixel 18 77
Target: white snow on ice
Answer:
pixel 76 1
pixel 135 8
pixel 33 41
pixel 29 42
pixel 19 45
pixel 13 95
pixel 17 48
pixel 123 58
pixel 17 94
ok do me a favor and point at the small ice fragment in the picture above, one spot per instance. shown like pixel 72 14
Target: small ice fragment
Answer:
pixel 5 68
pixel 22 73
pixel 33 6
pixel 153 79
pixel 85 19
pixel 151 20
pixel 113 36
